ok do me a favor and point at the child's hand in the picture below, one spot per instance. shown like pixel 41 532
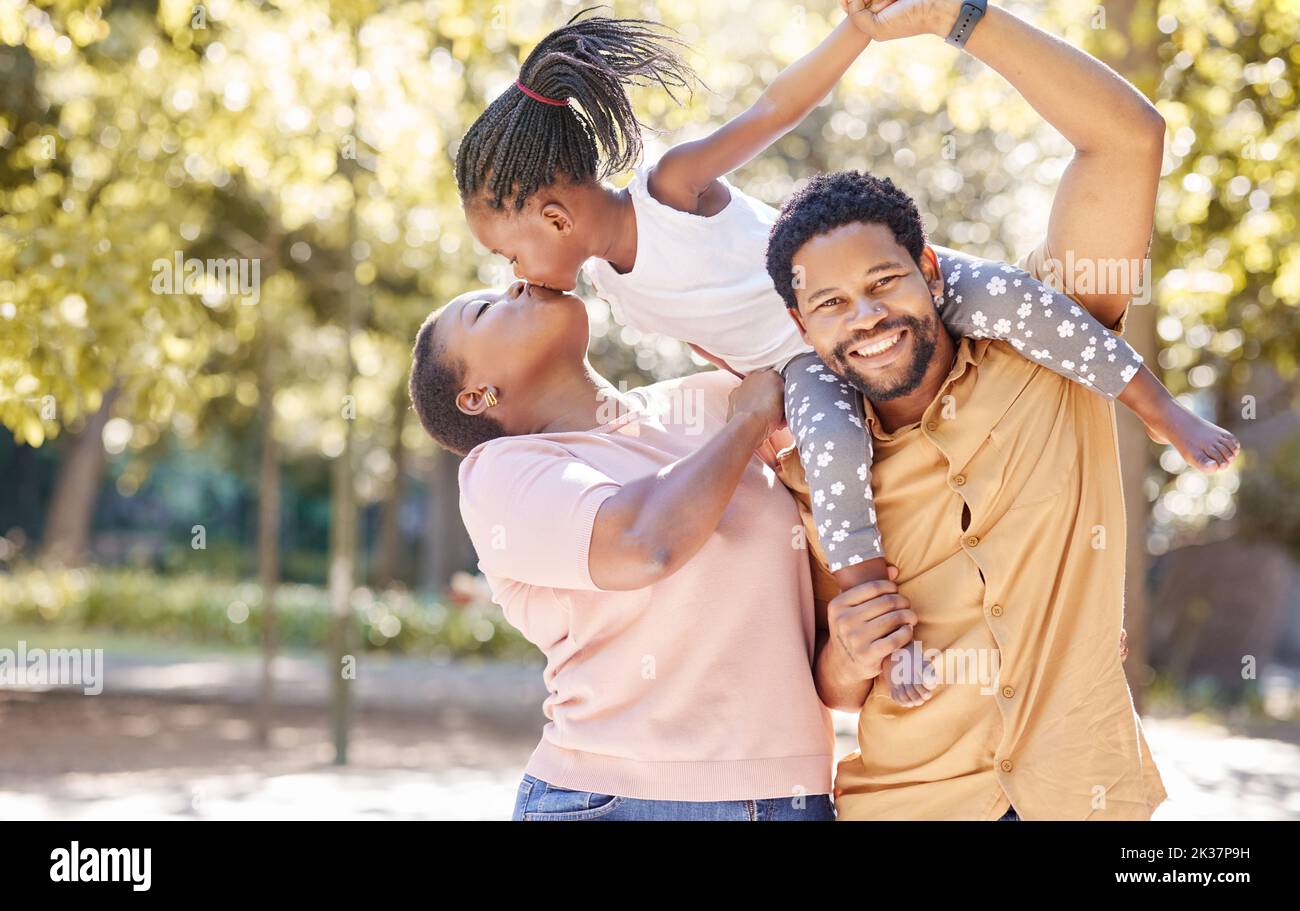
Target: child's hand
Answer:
pixel 857 6
pixel 912 677
pixel 862 13
pixel 886 20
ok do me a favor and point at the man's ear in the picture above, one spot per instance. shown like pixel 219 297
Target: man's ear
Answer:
pixel 476 401
pixel 558 217
pixel 930 269
pixel 798 324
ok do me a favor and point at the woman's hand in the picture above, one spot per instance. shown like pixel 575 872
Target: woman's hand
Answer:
pixel 760 395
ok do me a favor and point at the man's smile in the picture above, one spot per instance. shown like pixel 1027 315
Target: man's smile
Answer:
pixel 878 351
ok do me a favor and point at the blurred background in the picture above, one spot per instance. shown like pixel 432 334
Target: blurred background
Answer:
pixel 213 474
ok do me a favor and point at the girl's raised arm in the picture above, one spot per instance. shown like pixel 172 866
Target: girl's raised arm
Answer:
pixel 688 171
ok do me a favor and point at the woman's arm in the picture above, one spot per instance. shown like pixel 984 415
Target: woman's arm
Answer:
pixel 653 525
pixel 688 170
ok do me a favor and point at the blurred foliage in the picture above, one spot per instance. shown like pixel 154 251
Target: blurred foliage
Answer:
pixel 1271 496
pixel 205 609
pixel 317 138
pixel 1227 261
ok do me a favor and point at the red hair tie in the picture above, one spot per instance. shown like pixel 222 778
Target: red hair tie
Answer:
pixel 542 98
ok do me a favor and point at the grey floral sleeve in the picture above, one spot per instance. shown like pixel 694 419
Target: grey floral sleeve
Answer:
pixel 986 299
pixel 825 416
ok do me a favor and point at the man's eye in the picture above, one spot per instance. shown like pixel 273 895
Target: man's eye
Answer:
pixel 831 302
pixel 486 304
pixel 885 281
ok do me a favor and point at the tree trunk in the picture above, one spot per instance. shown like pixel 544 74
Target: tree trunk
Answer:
pixel 447 548
pixel 76 490
pixel 343 493
pixel 268 554
pixel 388 548
pixel 342 575
pixel 1135 457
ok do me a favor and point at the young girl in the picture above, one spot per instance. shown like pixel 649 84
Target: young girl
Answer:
pixel 681 252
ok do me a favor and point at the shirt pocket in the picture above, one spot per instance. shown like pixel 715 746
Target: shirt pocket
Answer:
pixel 1040 457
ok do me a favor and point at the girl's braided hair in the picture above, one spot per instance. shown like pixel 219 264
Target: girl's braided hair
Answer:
pixel 521 144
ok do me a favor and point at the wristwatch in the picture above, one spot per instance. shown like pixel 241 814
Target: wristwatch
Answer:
pixel 972 11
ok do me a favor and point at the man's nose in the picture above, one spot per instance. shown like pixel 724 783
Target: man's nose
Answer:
pixel 866 314
pixel 515 267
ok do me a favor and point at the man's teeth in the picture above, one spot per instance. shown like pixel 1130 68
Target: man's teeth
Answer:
pixel 877 347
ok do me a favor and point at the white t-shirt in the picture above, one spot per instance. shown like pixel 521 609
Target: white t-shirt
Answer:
pixel 703 280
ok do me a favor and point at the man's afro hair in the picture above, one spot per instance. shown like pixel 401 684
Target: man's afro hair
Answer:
pixel 830 201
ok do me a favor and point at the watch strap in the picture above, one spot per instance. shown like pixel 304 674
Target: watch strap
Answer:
pixel 972 11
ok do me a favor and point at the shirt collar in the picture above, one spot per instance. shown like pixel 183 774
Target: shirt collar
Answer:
pixel 970 353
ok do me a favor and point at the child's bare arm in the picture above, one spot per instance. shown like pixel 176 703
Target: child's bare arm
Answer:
pixel 687 171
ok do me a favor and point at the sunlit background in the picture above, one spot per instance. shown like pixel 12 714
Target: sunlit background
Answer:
pixel 193 478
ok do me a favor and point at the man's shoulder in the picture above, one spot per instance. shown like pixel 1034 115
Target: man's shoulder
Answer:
pixel 1008 383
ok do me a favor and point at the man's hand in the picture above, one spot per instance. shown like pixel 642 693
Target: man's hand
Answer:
pixel 761 394
pixel 868 623
pixel 885 20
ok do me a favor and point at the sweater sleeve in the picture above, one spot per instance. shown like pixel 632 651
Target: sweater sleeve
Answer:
pixel 529 506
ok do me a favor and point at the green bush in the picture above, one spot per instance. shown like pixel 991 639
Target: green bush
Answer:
pixel 200 609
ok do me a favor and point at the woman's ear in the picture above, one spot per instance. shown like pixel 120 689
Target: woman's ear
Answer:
pixel 476 401
pixel 930 269
pixel 558 217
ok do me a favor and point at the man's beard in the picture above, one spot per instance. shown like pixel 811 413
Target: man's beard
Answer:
pixel 926 335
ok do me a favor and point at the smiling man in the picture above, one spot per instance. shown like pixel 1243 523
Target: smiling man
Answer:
pixel 997 490
pixel 997 482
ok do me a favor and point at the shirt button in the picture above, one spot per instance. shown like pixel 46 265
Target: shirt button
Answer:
pixel 1008 692
pixel 996 610
pixel 959 480
pixel 972 541
pixel 1007 765
pixel 931 426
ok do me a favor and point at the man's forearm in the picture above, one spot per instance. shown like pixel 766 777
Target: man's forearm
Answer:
pixel 839 683
pixel 1091 105
pixel 1103 209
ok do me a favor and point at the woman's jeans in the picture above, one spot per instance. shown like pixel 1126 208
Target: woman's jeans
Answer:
pixel 538 801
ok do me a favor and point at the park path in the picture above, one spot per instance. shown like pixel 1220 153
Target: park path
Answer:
pixel 171 737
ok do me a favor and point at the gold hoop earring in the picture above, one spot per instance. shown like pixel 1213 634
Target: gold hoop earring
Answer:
pixel 491 399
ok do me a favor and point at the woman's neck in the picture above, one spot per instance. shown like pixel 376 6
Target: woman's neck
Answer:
pixel 579 400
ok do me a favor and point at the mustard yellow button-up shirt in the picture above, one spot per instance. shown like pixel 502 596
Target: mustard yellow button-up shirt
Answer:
pixel 1002 509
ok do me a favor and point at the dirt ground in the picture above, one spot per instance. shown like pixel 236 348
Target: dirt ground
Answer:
pixel 63 756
